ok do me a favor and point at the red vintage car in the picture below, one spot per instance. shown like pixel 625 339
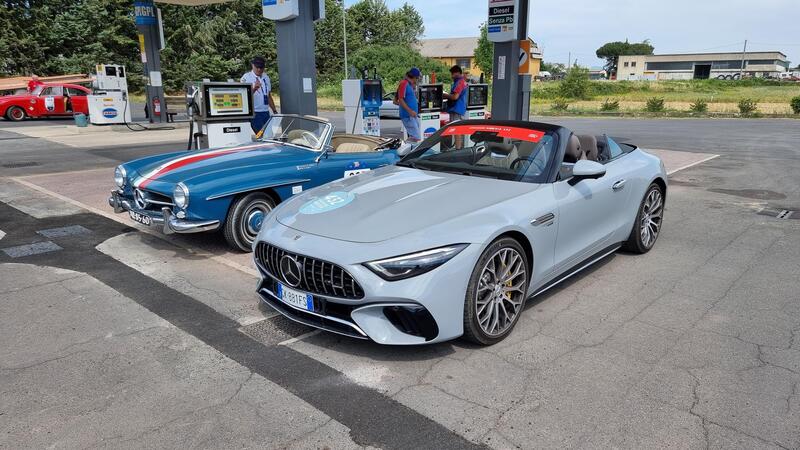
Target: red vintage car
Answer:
pixel 46 100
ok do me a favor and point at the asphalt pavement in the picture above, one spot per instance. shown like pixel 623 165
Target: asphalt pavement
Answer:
pixel 118 338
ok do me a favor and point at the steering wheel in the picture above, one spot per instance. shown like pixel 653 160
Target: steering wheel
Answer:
pixel 310 138
pixel 520 161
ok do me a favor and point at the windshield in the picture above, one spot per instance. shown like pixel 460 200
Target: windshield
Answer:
pixel 515 153
pixel 295 130
pixel 37 90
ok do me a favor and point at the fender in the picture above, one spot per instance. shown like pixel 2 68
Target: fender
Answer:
pixel 257 188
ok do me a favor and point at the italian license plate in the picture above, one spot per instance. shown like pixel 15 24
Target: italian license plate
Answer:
pixel 140 218
pixel 294 298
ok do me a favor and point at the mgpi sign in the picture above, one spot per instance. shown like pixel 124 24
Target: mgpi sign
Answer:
pixel 145 12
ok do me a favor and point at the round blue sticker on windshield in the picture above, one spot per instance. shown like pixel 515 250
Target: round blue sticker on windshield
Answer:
pixel 334 200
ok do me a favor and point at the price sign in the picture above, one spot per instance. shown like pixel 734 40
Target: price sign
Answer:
pixel 503 20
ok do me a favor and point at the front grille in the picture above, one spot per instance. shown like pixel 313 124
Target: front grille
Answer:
pixel 319 277
pixel 151 201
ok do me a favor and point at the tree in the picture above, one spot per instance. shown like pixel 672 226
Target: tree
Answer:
pixel 613 50
pixel 484 53
pixel 393 61
pixel 576 84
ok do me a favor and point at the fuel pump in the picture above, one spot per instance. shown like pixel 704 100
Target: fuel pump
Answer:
pixel 362 100
pixel 108 103
pixel 220 112
pixel 477 101
pixel 429 98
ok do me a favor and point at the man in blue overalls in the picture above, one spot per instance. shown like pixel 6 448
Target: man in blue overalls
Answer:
pixel 262 93
pixel 457 100
pixel 407 100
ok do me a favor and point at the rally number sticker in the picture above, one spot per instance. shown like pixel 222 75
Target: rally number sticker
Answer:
pixel 352 173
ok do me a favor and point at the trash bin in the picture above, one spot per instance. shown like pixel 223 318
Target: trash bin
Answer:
pixel 81 120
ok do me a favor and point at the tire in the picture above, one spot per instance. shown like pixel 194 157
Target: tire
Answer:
pixel 15 114
pixel 483 323
pixel 649 215
pixel 245 219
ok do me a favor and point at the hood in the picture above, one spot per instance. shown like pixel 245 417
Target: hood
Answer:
pixel 8 98
pixel 191 164
pixel 391 202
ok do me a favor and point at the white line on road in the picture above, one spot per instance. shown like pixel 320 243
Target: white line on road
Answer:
pixel 118 218
pixel 2 234
pixel 300 338
pixel 692 164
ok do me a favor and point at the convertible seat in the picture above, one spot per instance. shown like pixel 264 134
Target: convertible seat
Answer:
pixel 574 152
pixel 352 147
pixel 589 146
pixel 499 155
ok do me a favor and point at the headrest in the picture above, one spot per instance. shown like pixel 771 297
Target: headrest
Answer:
pixel 573 153
pixel 500 148
pixel 589 146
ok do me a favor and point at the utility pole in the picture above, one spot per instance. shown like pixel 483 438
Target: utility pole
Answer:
pixel 344 33
pixel 569 60
pixel 744 55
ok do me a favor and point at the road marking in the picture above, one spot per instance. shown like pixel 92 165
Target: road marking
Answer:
pixel 692 164
pixel 300 338
pixel 2 234
pixel 121 219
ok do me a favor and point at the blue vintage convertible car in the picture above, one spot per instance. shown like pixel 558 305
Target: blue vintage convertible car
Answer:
pixel 232 189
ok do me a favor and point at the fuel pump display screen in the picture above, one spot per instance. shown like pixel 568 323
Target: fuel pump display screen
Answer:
pixel 372 92
pixel 430 97
pixel 478 96
pixel 227 101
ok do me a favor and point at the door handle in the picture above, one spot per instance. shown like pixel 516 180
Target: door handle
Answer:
pixel 618 185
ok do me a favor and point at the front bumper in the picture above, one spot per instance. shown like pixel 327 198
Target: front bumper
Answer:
pixel 425 309
pixel 164 219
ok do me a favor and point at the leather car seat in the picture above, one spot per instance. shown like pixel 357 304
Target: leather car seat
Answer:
pixel 499 155
pixel 589 146
pixel 574 152
pixel 352 147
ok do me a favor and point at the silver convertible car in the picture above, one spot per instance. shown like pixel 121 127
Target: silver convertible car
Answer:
pixel 455 238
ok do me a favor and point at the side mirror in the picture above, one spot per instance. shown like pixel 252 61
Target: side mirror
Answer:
pixel 588 169
pixel 324 153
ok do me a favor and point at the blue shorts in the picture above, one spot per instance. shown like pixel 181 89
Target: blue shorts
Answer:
pixel 411 124
pixel 259 120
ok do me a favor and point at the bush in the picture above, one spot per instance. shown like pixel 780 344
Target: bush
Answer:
pixel 576 84
pixel 560 104
pixel 699 106
pixel 608 105
pixel 655 104
pixel 795 104
pixel 747 106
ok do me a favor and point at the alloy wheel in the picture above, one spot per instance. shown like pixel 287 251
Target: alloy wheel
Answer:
pixel 501 291
pixel 652 213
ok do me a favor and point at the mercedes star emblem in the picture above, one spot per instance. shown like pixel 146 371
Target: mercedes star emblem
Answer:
pixel 291 270
pixel 138 197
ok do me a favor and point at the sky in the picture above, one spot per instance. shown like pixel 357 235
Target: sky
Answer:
pixel 673 26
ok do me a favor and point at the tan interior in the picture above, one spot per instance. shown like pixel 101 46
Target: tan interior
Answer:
pixel 349 143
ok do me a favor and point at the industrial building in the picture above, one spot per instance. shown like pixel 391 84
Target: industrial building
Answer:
pixel 461 51
pixel 701 66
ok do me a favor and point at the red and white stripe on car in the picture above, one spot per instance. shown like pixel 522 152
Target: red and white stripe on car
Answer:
pixel 177 163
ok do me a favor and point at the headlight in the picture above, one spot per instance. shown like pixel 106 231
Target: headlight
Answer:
pixel 407 266
pixel 120 175
pixel 180 195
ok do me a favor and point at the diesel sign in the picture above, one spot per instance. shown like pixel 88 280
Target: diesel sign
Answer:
pixel 501 10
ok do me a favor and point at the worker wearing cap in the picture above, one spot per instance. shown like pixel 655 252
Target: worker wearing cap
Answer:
pixel 457 100
pixel 262 93
pixel 407 100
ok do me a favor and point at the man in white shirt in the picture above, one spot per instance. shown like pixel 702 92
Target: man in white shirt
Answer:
pixel 262 93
